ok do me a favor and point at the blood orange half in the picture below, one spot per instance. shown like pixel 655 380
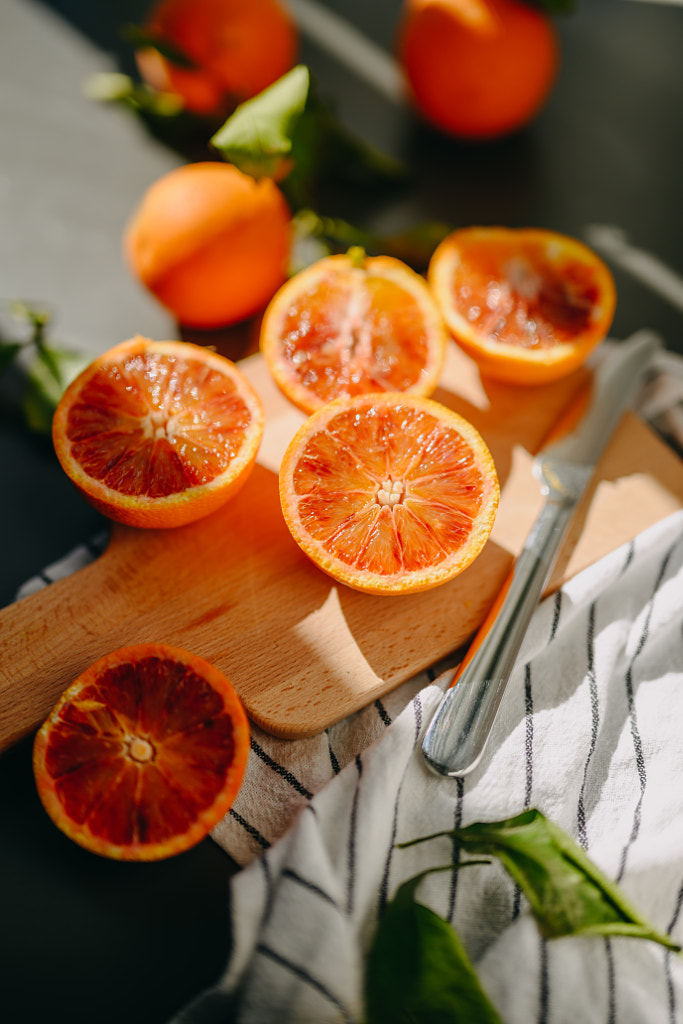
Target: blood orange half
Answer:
pixel 351 325
pixel 158 433
pixel 143 754
pixel 389 494
pixel 528 305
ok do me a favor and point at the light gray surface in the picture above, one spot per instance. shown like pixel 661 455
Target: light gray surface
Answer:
pixel 71 174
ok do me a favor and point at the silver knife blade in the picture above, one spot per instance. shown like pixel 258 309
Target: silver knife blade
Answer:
pixel 457 735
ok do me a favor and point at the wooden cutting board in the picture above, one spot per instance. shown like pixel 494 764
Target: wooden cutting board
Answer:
pixel 302 651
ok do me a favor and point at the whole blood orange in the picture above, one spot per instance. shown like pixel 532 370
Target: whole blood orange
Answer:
pixel 143 754
pixel 234 49
pixel 389 493
pixel 528 305
pixel 351 325
pixel 158 433
pixel 477 69
pixel 210 243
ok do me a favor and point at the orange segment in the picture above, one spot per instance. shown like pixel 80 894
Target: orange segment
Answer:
pixel 528 305
pixel 389 494
pixel 143 754
pixel 158 434
pixel 350 325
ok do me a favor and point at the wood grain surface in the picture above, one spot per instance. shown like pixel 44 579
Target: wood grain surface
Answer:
pixel 301 650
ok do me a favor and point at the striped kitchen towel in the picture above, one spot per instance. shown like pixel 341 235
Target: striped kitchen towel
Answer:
pixel 588 732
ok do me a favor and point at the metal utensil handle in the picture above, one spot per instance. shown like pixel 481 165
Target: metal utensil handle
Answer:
pixel 457 735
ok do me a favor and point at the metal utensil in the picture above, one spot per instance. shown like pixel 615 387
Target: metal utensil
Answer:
pixel 455 740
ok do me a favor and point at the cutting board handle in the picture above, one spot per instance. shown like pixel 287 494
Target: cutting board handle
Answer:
pixel 48 638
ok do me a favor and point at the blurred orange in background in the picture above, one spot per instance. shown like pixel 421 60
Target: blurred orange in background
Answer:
pixel 477 69
pixel 235 48
pixel 211 243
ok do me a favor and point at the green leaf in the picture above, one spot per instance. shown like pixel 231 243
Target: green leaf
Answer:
pixel 114 87
pixel 141 38
pixel 259 136
pixel 48 375
pixel 8 351
pixel 418 971
pixel 289 134
pixel 567 893
pixel 315 236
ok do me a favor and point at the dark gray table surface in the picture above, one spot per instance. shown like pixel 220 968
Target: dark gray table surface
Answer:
pixel 85 939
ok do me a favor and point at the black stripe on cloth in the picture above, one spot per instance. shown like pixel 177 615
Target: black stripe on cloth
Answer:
pixel 269 901
pixel 635 733
pixel 44 577
pixel 671 992
pixel 384 884
pixel 630 555
pixel 280 770
pixel 595 722
pixel 305 976
pixel 611 984
pixel 333 759
pixel 529 736
pixel 253 832
pixel 543 974
pixel 455 874
pixel 556 615
pixel 528 762
pixel 544 982
pixel 310 886
pixel 351 847
pixel 382 712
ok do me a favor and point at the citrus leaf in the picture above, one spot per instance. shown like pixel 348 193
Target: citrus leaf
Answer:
pixel 289 134
pixel 48 375
pixel 315 236
pixel 417 969
pixel 114 87
pixel 141 38
pixel 259 136
pixel 567 893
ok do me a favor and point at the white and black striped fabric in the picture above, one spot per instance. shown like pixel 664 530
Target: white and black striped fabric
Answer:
pixel 589 732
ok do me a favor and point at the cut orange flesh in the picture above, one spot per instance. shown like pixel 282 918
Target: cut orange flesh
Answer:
pixel 528 305
pixel 158 434
pixel 389 494
pixel 143 754
pixel 351 325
